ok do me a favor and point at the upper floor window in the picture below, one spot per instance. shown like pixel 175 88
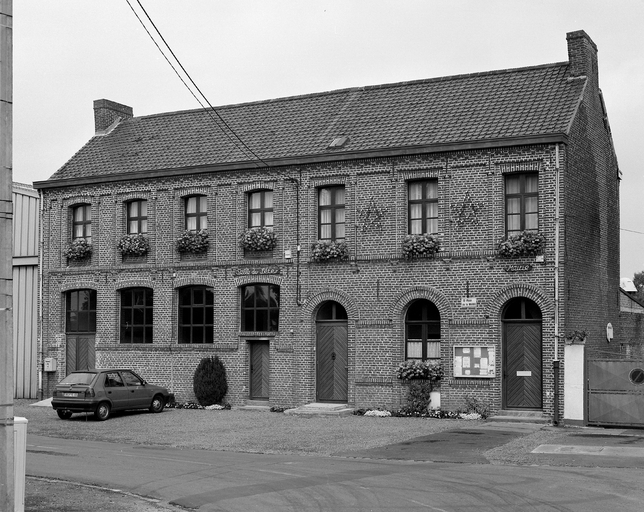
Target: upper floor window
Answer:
pixel 422 331
pixel 521 203
pixel 196 213
pixel 331 213
pixel 137 217
pixel 260 209
pixel 136 315
pixel 423 207
pixel 196 314
pixel 260 307
pixel 80 311
pixel 82 222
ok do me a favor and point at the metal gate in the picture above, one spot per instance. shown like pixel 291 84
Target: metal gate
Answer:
pixel 615 390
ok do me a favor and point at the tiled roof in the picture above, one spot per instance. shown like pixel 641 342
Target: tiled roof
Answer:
pixel 524 102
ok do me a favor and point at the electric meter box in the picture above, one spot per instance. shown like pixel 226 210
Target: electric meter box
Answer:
pixel 50 364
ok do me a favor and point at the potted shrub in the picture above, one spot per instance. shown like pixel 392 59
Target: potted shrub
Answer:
pixel 258 239
pixel 327 250
pixel 192 242
pixel 418 246
pixel 424 393
pixel 135 244
pixel 528 243
pixel 78 249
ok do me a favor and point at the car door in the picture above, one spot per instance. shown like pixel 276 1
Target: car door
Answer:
pixel 138 394
pixel 116 390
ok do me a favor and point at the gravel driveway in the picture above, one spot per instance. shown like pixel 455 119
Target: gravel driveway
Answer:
pixel 235 430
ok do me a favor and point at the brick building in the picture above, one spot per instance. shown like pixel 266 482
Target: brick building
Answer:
pixel 468 160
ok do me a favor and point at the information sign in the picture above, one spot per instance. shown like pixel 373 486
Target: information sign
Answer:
pixel 473 361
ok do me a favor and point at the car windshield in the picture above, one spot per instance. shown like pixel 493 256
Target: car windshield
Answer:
pixel 78 378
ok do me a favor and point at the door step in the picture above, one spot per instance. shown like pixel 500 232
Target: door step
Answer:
pixel 256 405
pixel 513 416
pixel 321 409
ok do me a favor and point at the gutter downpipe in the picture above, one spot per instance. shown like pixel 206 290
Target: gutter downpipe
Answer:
pixel 555 362
pixel 41 252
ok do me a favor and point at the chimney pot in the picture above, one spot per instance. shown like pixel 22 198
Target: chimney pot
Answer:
pixel 106 112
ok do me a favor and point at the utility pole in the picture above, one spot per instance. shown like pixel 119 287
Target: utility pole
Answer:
pixel 7 491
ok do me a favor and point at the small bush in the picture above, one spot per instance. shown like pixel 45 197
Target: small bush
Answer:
pixel 209 383
pixel 474 406
pixel 418 398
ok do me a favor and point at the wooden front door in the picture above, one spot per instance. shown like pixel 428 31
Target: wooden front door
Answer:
pixel 81 352
pixel 522 365
pixel 259 370
pixel 332 361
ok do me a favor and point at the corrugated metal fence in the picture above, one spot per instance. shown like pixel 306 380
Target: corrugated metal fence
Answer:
pixel 25 290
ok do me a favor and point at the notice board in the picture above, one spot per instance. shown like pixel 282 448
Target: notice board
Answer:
pixel 473 361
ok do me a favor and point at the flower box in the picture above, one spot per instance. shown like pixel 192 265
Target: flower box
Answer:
pixel 79 249
pixel 322 251
pixel 420 246
pixel 526 244
pixel 192 242
pixel 414 369
pixel 258 239
pixel 136 244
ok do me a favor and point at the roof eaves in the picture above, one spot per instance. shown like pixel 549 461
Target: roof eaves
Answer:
pixel 311 159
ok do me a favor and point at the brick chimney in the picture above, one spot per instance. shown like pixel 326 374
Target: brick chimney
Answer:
pixel 106 112
pixel 582 55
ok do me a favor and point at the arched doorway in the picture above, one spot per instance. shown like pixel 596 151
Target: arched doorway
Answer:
pixel 522 355
pixel 332 353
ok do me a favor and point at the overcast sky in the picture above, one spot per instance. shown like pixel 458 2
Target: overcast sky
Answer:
pixel 68 53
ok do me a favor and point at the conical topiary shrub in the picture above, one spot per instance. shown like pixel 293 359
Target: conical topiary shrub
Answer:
pixel 209 382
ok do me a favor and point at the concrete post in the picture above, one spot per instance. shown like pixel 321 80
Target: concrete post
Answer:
pixel 7 491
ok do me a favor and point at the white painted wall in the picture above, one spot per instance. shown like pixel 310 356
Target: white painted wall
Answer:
pixel 574 400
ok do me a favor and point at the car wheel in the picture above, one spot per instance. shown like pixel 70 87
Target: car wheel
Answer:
pixel 102 411
pixel 157 404
pixel 64 414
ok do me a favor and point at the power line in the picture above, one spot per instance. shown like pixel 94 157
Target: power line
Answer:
pixel 245 148
pixel 631 231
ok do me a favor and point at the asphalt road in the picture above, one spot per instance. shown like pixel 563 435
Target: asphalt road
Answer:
pixel 359 481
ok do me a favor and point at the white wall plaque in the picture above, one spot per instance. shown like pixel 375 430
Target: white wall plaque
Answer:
pixel 524 373
pixel 468 302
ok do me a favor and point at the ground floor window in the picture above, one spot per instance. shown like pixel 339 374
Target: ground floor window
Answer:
pixel 422 331
pixel 196 313
pixel 136 315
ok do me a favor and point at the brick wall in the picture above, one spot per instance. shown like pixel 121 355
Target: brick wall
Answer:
pixel 375 286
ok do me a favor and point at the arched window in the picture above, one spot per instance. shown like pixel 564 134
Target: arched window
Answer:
pixel 331 310
pixel 521 309
pixel 136 315
pixel 422 331
pixel 196 314
pixel 260 307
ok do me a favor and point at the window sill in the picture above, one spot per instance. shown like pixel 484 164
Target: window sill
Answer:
pixel 257 334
